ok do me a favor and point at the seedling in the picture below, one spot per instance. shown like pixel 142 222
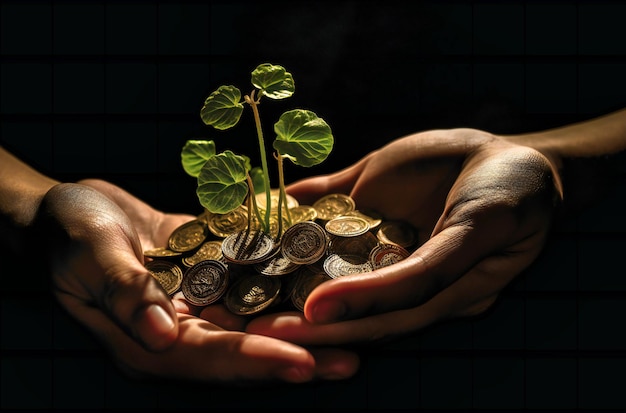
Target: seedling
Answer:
pixel 226 179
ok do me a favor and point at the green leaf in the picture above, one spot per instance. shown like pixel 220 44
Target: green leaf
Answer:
pixel 273 81
pixel 194 154
pixel 222 109
pixel 222 185
pixel 303 137
pixel 256 174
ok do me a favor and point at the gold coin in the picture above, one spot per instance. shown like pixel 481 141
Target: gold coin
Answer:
pixel 252 294
pixel 210 250
pixel 373 218
pixel 261 200
pixel 384 255
pixel 161 252
pixel 304 242
pixel 222 225
pixel 398 233
pixel 188 236
pixel 205 282
pixel 247 247
pixel 302 213
pixel 341 265
pixel 333 205
pixel 169 275
pixel 347 226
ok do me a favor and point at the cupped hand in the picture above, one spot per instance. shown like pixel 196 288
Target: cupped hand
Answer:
pixel 96 233
pixel 482 207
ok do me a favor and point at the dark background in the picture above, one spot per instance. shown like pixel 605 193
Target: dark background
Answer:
pixel 113 90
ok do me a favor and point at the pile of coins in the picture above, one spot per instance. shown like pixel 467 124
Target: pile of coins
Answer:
pixel 227 258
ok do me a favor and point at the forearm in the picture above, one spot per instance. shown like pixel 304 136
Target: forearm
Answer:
pixel 589 157
pixel 21 191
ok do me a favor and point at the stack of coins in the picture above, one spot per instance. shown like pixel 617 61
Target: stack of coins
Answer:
pixel 227 258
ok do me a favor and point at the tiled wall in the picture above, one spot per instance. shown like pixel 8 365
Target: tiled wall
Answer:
pixel 113 90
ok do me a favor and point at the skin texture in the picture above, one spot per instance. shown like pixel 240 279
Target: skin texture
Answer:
pixel 483 206
pixel 95 234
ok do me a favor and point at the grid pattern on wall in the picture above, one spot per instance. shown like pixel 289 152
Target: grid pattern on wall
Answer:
pixel 113 90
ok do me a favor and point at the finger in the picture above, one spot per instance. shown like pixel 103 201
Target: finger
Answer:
pixel 408 283
pixel 470 295
pixel 203 351
pixel 141 307
pixel 219 315
pixel 98 258
pixel 309 190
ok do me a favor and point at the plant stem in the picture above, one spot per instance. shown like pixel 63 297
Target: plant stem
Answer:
pixel 266 178
pixel 282 196
pixel 252 206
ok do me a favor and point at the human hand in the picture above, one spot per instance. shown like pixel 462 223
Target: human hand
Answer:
pixel 482 207
pixel 96 234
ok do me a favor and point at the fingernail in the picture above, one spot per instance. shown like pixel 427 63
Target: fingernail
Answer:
pixel 156 326
pixel 328 311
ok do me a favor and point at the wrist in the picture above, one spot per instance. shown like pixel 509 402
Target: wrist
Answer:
pixel 21 191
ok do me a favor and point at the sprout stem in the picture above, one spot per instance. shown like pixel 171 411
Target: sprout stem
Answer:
pixel 266 178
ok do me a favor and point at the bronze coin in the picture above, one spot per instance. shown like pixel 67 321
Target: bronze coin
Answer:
pixel 252 294
pixel 305 283
pixel 397 232
pixel 361 245
pixel 205 282
pixel 384 255
pixel 304 242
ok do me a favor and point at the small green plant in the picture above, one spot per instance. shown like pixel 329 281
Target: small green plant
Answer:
pixel 226 180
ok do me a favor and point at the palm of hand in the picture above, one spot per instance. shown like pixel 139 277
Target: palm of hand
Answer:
pixel 483 208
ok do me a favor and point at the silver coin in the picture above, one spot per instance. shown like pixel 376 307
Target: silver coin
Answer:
pixel 247 247
pixel 304 242
pixel 341 265
pixel 205 282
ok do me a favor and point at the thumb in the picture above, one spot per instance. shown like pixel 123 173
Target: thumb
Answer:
pixel 96 257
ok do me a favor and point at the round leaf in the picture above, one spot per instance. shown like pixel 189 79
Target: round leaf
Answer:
pixel 222 185
pixel 194 154
pixel 303 138
pixel 273 81
pixel 222 109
